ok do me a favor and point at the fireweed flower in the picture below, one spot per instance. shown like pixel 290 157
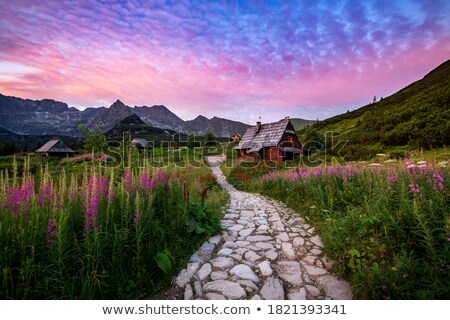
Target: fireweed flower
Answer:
pixel 51 233
pixel 137 216
pixel 96 190
pixel 18 199
pixel 147 182
pixel 128 181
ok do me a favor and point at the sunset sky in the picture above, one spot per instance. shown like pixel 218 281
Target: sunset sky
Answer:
pixel 231 59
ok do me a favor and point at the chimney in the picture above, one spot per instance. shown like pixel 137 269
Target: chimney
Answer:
pixel 258 126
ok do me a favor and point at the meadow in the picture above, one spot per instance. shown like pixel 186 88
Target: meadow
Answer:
pixel 385 224
pixel 85 229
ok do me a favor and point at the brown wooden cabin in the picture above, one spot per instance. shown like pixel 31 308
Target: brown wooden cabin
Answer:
pixel 274 141
pixel 55 147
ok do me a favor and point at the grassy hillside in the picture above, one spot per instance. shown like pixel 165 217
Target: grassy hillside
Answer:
pixel 417 116
pixel 299 123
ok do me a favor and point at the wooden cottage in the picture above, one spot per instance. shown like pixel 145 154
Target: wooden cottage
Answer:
pixel 55 147
pixel 274 141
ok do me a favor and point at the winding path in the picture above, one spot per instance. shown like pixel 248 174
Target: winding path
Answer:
pixel 266 251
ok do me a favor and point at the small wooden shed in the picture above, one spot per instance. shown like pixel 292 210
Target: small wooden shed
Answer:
pixel 55 147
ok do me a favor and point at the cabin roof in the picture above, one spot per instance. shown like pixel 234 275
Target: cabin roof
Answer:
pixel 139 142
pixel 269 135
pixel 56 146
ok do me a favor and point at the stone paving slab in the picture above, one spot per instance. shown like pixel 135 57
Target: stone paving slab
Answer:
pixel 265 251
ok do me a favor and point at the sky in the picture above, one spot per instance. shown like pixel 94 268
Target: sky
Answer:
pixel 239 60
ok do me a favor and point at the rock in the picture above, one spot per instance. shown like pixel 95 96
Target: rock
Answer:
pixel 198 288
pixel 246 213
pixel 312 290
pixel 259 238
pixel 214 296
pixel 290 271
pixel 241 250
pixel 244 272
pixel 286 247
pixel 204 271
pixel 262 228
pixel 256 297
pixel 225 252
pixel 203 254
pixel 246 232
pixel 271 255
pixel 219 275
pixel 314 271
pixel 309 260
pixel 231 216
pixel 327 263
pixel 215 239
pixel 316 240
pixel 188 294
pixel 186 275
pixel 237 227
pixel 334 288
pixel 265 269
pixel 249 285
pixel 298 241
pixel 241 244
pixel 230 244
pixel 251 256
pixel 272 289
pixel 264 245
pixel 231 290
pixel 297 295
pixel 283 237
pixel 222 263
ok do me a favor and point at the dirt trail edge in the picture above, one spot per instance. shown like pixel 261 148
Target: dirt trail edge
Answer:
pixel 266 251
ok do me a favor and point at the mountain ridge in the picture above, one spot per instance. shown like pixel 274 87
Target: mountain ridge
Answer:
pixel 51 117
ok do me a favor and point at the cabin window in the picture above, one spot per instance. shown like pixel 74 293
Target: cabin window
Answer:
pixel 290 139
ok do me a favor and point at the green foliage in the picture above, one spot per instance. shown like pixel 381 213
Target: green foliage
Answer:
pixel 94 141
pixel 386 228
pixel 163 261
pixel 138 240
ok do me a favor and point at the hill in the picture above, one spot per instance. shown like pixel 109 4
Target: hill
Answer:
pixel 133 127
pixel 299 123
pixel 418 116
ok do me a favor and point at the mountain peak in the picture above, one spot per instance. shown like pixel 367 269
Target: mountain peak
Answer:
pixel 200 117
pixel 118 104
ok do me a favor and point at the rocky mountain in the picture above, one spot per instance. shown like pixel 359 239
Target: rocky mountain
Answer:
pixel 218 126
pixel 42 117
pixel 133 127
pixel 50 117
pixel 158 116
pixel 109 117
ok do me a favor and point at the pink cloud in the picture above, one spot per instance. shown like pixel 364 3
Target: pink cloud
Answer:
pixel 220 60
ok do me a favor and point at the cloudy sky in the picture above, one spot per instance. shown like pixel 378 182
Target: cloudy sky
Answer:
pixel 233 59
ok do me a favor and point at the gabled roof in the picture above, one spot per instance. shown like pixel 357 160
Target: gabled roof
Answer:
pixel 56 145
pixel 269 135
pixel 138 142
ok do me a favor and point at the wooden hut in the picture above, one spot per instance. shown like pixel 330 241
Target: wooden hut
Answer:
pixel 274 141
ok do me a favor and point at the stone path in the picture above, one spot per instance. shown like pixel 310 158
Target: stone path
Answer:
pixel 266 251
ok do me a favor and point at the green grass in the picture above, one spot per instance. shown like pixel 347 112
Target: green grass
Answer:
pixel 387 227
pixel 84 231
